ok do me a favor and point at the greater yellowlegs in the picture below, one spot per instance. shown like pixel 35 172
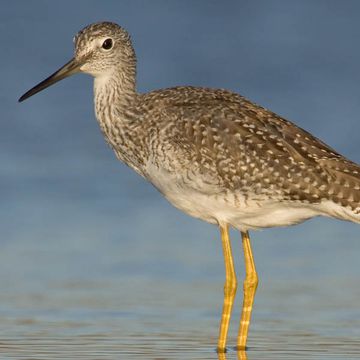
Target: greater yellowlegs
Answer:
pixel 213 154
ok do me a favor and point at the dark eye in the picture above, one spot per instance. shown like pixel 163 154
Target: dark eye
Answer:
pixel 107 44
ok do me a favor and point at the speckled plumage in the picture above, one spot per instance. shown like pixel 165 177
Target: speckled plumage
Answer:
pixel 212 153
pixel 209 147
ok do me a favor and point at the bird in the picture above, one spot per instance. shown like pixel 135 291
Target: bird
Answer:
pixel 213 154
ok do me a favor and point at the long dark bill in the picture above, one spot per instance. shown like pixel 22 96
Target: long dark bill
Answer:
pixel 68 69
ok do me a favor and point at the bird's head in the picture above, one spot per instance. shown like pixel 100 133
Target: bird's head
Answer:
pixel 100 49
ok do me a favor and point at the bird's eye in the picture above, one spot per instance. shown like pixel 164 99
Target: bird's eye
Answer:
pixel 107 44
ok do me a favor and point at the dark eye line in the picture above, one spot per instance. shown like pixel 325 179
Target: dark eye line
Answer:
pixel 107 44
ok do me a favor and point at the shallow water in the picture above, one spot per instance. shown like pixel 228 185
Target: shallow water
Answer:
pixel 153 299
pixel 94 264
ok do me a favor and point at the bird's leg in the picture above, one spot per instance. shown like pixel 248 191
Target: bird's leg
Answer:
pixel 229 288
pixel 250 285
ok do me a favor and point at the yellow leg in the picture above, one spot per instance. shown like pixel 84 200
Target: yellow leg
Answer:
pixel 241 355
pixel 229 288
pixel 250 285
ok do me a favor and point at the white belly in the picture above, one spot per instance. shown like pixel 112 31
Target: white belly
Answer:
pixel 233 209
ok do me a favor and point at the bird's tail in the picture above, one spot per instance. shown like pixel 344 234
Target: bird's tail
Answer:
pixel 344 189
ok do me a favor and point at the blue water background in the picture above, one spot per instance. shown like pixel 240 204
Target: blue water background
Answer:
pixel 94 263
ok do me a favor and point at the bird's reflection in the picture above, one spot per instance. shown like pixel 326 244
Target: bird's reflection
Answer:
pixel 241 355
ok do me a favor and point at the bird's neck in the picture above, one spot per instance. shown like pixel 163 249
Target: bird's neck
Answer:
pixel 114 90
pixel 115 99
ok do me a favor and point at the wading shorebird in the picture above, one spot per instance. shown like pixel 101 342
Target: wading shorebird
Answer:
pixel 213 154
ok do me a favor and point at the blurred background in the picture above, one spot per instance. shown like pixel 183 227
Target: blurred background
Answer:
pixel 90 251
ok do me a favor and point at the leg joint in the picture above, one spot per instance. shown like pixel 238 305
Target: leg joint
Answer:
pixel 251 282
pixel 230 287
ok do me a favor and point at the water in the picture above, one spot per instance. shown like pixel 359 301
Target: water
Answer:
pixel 94 263
pixel 124 315
pixel 136 279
